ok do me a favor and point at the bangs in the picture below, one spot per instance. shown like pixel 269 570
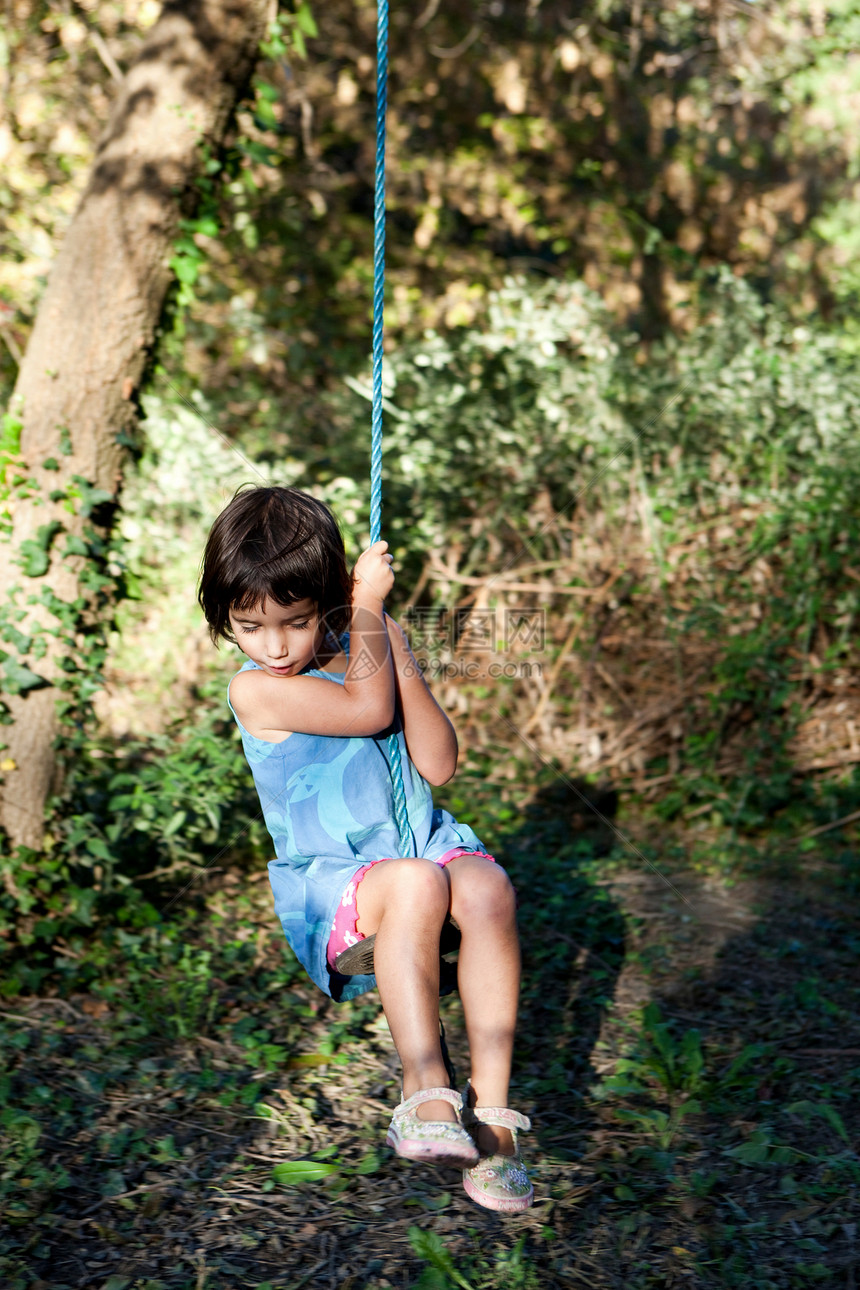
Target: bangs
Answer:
pixel 252 586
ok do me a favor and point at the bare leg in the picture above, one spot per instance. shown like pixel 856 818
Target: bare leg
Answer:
pixel 483 903
pixel 405 903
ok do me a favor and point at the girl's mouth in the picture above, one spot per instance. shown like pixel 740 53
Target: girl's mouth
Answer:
pixel 280 671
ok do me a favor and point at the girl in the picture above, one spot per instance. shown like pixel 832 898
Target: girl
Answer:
pixel 315 704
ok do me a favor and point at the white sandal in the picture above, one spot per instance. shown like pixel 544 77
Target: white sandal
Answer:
pixel 443 1142
pixel 498 1181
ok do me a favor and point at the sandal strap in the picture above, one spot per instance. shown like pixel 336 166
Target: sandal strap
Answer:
pixel 430 1095
pixel 501 1116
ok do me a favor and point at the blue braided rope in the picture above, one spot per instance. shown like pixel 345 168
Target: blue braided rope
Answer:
pixel 378 271
pixel 400 812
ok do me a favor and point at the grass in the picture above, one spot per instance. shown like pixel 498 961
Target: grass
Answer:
pixel 183 1110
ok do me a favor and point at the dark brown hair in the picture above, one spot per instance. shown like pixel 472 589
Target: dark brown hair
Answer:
pixel 274 543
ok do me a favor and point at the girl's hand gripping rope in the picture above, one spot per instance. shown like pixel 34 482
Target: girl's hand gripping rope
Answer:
pixel 373 571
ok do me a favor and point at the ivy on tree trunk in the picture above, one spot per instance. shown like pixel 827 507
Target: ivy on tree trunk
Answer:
pixel 75 396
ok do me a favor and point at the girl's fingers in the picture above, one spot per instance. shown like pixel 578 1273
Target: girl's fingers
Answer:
pixel 374 567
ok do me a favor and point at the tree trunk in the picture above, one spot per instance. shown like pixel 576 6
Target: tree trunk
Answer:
pixel 94 334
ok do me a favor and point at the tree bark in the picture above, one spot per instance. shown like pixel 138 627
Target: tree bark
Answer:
pixel 94 334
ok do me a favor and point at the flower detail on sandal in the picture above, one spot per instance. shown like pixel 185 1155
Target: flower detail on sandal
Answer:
pixel 443 1142
pixel 498 1181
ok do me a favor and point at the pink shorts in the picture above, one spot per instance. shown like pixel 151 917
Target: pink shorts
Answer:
pixel 344 931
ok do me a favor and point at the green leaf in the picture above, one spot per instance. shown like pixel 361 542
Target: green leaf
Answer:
pixel 834 1119
pixel 34 560
pixel 17 638
pixel 325 1153
pixel 807 1108
pixel 175 823
pixel 258 152
pixel 19 678
pixel 369 1163
pixel 265 115
pixel 747 1055
pixel 618 1086
pixel 46 533
pixel 305 20
pixel 784 1155
pixel 436 1203
pixel 292 1172
pixel 310 1059
pixel 274 47
pixel 90 496
pixel 429 1246
pixel 10 433
pixel 98 847
pixel 750 1153
pixel 432 1279
pixel 185 268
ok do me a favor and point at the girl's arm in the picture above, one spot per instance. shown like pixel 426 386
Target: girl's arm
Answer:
pixel 363 704
pixel 429 735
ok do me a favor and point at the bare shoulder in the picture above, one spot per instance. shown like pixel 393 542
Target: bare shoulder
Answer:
pixel 243 683
pixel 244 689
pixel 251 699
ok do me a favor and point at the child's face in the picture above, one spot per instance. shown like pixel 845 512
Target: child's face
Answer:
pixel 282 639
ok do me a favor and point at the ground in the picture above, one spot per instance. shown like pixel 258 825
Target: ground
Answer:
pixel 688 1053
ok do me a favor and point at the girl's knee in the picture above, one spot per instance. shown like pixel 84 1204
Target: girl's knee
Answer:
pixel 410 890
pixel 419 885
pixel 487 895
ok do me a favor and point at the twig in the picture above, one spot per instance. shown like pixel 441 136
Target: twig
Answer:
pixel 650 526
pixel 428 15
pixel 12 345
pixel 659 711
pixel 443 574
pixel 613 685
pixel 825 828
pixel 136 1191
pixel 544 699
pixel 105 55
pixel 423 579
pixel 456 50
pixel 606 763
pixel 63 1004
pixel 847 758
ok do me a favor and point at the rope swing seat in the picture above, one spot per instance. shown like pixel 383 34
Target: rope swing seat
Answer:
pixel 358 959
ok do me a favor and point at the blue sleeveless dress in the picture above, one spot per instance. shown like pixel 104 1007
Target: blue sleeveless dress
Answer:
pixel 328 804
